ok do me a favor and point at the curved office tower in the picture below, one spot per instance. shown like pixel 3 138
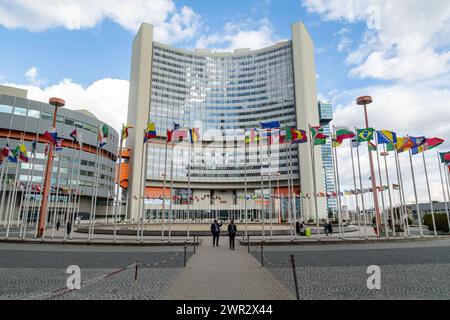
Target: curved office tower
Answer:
pixel 224 95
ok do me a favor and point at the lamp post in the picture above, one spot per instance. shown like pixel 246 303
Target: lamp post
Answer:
pixel 57 103
pixel 278 174
pixel 364 101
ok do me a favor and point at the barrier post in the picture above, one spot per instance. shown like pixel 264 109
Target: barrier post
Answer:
pixel 185 247
pixel 262 255
pixel 248 243
pixel 294 271
pixel 194 244
pixel 135 280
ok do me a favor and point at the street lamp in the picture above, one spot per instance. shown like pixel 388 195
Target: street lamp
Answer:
pixel 364 101
pixel 57 103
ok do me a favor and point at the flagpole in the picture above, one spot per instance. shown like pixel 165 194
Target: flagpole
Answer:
pixel 289 195
pixel 358 212
pixel 30 186
pixel 38 200
pixel 24 198
pixel 245 181
pixel 94 195
pixel 270 186
pixel 419 216
pixel 313 159
pixel 447 177
pixel 341 231
pixel 381 191
pixel 362 192
pixel 389 191
pixel 10 209
pixel 69 193
pixel 293 198
pixel 189 185
pixel 171 193
pixel 164 193
pixel 443 190
pixel 118 196
pixel 142 200
pixel 56 202
pixel 401 194
pixel 77 189
pixel 429 194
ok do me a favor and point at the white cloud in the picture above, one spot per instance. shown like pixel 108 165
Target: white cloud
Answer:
pixel 405 40
pixel 248 34
pixel 107 98
pixel 32 75
pixel 344 44
pixel 172 24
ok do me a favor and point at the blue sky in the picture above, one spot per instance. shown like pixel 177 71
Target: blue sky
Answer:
pixel 396 51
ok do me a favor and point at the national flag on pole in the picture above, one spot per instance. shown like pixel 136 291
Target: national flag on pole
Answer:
pixel 74 135
pixel 151 132
pixel 252 135
pixel 372 146
pixel 103 133
pixel 59 146
pixel 343 133
pixel 445 157
pixel 335 143
pixel 355 143
pixel 390 147
pixel 270 125
pixel 176 126
pixel 125 133
pixel 298 136
pixel 428 145
pixel 51 135
pixel 318 136
pixel 179 135
pixel 5 151
pixel 169 136
pixel 194 135
pixel 404 144
pixel 417 141
pixel 365 134
pixel 386 137
pixel 33 147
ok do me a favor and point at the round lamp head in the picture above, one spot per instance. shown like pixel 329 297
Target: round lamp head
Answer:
pixel 57 102
pixel 364 100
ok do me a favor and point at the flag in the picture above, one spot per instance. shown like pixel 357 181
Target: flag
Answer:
pixel 335 143
pixel 105 131
pixel 417 141
pixel 390 147
pixel 176 126
pixel 386 137
pixel 365 134
pixel 298 136
pixel 194 135
pixel 372 146
pixel 74 135
pixel 33 147
pixel 317 135
pixel 288 133
pixel 427 145
pixel 343 133
pixel 445 157
pixel 270 125
pixel 355 142
pixel 5 151
pixel 23 153
pixel 151 132
pixel 179 135
pixel 58 146
pixel 125 133
pixel 169 136
pixel 404 144
pixel 51 135
pixel 254 136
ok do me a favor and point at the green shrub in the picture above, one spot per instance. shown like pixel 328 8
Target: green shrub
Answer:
pixel 310 221
pixel 410 221
pixel 441 222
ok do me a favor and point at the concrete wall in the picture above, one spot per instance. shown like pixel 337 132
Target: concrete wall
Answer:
pixel 138 110
pixel 307 114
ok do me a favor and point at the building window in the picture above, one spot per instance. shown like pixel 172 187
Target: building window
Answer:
pixel 5 109
pixel 79 124
pixel 20 111
pixel 46 116
pixel 60 119
pixel 34 114
pixel 69 122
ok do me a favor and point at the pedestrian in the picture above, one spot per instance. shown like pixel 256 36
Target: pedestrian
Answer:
pixel 390 223
pixel 302 229
pixel 232 230
pixel 69 227
pixel 297 228
pixel 325 228
pixel 330 228
pixel 374 225
pixel 215 230
pixel 58 224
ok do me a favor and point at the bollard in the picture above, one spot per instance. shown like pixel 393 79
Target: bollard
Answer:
pixel 248 243
pixel 135 280
pixel 262 255
pixel 185 247
pixel 294 271
pixel 194 244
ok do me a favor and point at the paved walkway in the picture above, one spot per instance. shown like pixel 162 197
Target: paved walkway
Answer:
pixel 220 274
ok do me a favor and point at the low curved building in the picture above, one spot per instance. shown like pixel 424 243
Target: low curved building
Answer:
pixel 23 121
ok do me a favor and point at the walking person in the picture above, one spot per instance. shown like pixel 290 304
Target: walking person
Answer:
pixel 330 228
pixel 232 230
pixel 58 224
pixel 374 225
pixel 215 230
pixel 297 228
pixel 69 227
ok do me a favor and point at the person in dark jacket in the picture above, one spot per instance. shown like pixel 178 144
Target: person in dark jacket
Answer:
pixel 330 228
pixel 297 228
pixel 58 224
pixel 232 230
pixel 69 227
pixel 215 230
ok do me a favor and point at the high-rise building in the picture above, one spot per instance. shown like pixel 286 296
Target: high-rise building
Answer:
pixel 326 115
pixel 223 94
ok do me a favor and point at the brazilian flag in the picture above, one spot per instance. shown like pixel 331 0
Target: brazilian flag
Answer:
pixel 365 134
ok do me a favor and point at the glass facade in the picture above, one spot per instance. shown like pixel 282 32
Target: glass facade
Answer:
pixel 222 95
pixel 326 115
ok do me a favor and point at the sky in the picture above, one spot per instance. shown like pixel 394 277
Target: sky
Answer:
pixel 396 51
